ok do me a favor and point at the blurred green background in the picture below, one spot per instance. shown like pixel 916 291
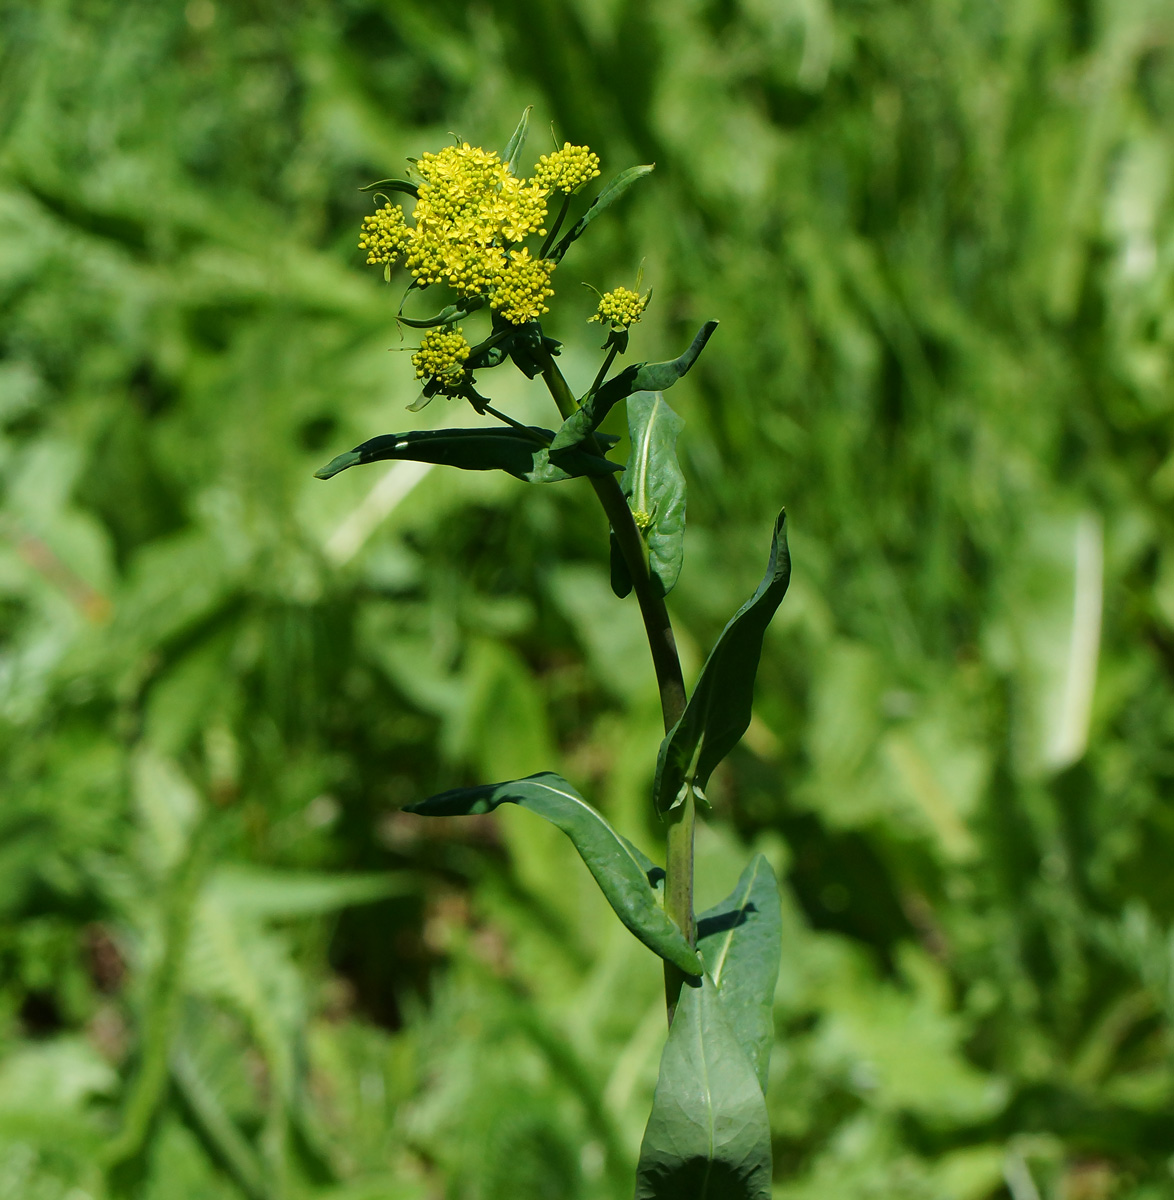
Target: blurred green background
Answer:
pixel 938 236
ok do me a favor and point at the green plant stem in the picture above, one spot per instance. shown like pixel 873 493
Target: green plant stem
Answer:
pixel 678 885
pixel 558 224
pixel 611 357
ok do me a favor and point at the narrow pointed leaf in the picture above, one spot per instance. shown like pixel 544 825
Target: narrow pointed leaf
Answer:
pixel 612 191
pixel 708 1137
pixel 740 940
pixel 655 484
pixel 513 148
pixel 511 450
pixel 446 316
pixel 623 873
pixel 393 185
pixel 640 377
pixel 718 711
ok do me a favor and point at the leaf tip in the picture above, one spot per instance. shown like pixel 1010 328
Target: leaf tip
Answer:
pixel 338 463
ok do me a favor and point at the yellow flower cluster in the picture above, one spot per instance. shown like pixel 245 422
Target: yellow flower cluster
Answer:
pixel 470 210
pixel 566 170
pixel 521 287
pixel 441 355
pixel 620 308
pixel 383 235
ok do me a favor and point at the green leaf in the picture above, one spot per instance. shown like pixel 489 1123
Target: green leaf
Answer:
pixel 446 316
pixel 640 377
pixel 708 1137
pixel 718 711
pixel 393 185
pixel 610 194
pixel 625 876
pixel 655 484
pixel 740 940
pixel 513 148
pixel 520 453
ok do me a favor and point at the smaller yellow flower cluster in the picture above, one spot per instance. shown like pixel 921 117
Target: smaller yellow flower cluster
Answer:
pixel 384 234
pixel 620 308
pixel 521 286
pixel 441 355
pixel 566 170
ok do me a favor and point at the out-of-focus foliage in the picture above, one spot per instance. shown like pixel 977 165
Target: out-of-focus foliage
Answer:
pixel 938 236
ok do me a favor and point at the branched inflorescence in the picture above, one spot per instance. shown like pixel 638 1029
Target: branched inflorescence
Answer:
pixel 471 216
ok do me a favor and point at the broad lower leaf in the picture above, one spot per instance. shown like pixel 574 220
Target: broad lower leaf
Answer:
pixel 718 711
pixel 740 940
pixel 625 876
pixel 613 190
pixel 640 377
pixel 522 454
pixel 393 185
pixel 655 485
pixel 708 1137
pixel 513 148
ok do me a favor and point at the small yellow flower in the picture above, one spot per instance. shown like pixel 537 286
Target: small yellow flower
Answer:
pixel 521 287
pixel 441 355
pixel 383 235
pixel 620 308
pixel 566 170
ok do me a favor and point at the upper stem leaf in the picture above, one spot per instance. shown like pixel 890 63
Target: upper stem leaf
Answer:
pixel 625 876
pixel 513 148
pixel 718 711
pixel 393 185
pixel 614 189
pixel 655 485
pixel 522 453
pixel 640 377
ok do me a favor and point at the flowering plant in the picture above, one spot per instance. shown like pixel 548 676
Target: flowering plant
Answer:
pixel 708 1134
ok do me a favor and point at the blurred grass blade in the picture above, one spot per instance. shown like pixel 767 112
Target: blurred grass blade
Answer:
pixel 266 893
pixel 521 453
pixel 622 873
pixel 219 1130
pixel 655 484
pixel 640 377
pixel 614 189
pixel 708 1137
pixel 718 712
pixel 740 940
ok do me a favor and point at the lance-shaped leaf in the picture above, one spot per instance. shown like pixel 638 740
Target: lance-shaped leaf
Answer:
pixel 612 191
pixel 718 711
pixel 393 185
pixel 655 485
pixel 446 316
pixel 708 1137
pixel 513 148
pixel 640 377
pixel 740 940
pixel 624 874
pixel 521 453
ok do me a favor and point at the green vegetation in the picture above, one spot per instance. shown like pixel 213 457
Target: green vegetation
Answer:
pixel 938 237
